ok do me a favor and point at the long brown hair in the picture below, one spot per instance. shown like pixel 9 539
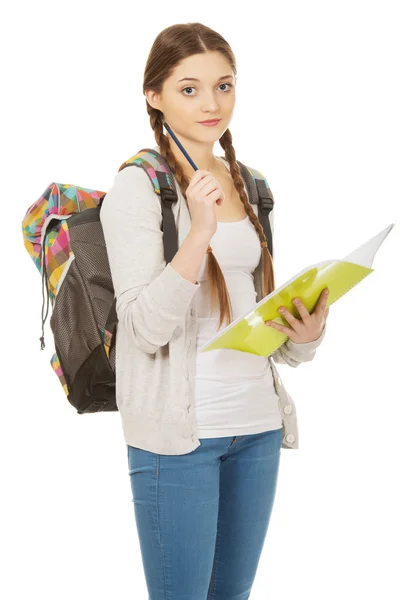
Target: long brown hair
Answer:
pixel 171 46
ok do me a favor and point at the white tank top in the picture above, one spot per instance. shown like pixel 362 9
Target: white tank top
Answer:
pixel 235 393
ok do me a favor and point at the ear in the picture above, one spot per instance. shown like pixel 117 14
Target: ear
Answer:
pixel 153 98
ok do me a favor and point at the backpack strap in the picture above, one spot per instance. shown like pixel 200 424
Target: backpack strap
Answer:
pixel 163 183
pixel 259 193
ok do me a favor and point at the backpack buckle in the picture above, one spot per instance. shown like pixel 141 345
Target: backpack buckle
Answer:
pixel 168 194
pixel 266 202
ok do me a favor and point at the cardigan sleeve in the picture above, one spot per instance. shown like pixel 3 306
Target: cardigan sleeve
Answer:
pixel 152 299
pixel 294 354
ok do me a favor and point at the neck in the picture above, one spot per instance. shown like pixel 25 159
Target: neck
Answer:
pixel 201 154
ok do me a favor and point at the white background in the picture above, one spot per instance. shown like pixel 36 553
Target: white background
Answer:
pixel 318 114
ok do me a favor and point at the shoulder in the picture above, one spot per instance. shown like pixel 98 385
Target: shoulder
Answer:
pixel 132 195
pixel 131 177
pixel 130 183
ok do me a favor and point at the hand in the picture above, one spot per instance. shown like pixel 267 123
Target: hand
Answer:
pixel 203 194
pixel 310 326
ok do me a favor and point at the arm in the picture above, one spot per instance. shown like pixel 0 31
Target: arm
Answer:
pixel 291 353
pixel 152 297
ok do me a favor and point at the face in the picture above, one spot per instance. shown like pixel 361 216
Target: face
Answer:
pixel 185 102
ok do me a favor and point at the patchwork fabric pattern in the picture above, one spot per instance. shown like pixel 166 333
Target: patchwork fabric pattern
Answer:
pixel 149 162
pixel 55 363
pixel 57 200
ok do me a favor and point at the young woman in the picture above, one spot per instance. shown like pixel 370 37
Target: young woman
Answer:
pixel 203 430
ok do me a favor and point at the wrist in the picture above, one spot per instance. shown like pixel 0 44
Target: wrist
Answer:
pixel 200 239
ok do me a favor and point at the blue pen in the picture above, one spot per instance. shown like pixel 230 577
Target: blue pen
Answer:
pixel 180 146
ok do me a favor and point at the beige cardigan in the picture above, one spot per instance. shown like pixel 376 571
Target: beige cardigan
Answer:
pixel 156 338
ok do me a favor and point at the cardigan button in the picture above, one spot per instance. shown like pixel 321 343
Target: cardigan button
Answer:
pixel 287 409
pixel 290 438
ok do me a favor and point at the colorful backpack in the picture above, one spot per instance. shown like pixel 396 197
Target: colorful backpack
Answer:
pixel 64 237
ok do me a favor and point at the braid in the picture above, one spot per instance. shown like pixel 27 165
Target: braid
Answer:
pixel 213 269
pixel 156 122
pixel 268 279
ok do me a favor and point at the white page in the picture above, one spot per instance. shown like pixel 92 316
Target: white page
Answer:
pixel 365 254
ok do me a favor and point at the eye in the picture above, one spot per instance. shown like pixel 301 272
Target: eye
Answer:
pixel 228 84
pixel 193 88
pixel 188 88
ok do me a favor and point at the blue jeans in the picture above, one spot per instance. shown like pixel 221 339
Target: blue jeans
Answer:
pixel 202 517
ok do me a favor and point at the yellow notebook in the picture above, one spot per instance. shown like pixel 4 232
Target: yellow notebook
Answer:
pixel 249 332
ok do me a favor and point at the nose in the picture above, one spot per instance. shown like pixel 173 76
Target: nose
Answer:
pixel 210 103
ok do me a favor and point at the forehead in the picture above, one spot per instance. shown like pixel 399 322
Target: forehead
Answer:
pixel 207 67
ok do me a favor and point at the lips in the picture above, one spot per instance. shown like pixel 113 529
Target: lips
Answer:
pixel 210 121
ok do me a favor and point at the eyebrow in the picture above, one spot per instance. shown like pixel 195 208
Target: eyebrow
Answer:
pixel 194 79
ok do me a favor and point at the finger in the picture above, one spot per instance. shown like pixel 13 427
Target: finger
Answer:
pixel 322 301
pixel 285 330
pixel 207 184
pixel 291 319
pixel 303 312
